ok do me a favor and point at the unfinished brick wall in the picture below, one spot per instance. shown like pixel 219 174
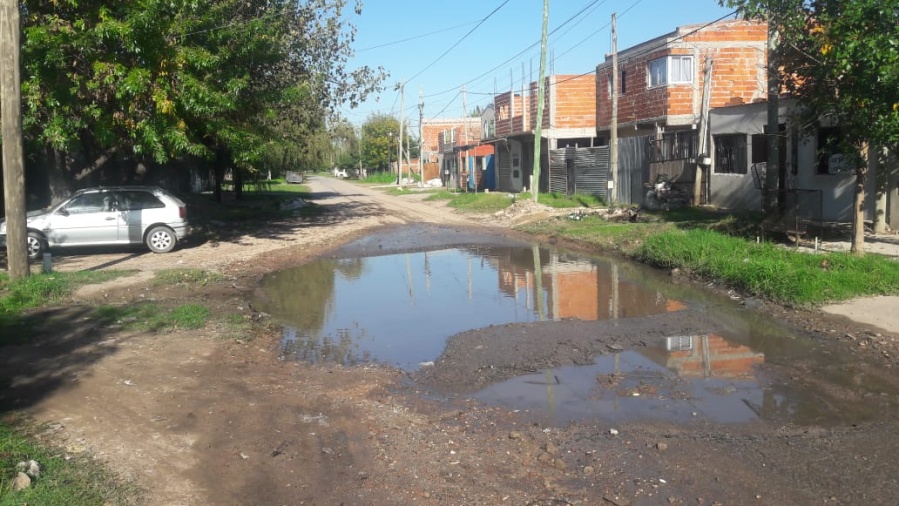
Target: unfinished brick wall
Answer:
pixel 737 50
pixel 508 113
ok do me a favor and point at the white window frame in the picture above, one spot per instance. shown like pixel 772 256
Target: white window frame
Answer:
pixel 671 69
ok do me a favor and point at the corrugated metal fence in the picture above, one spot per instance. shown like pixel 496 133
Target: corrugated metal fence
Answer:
pixel 586 170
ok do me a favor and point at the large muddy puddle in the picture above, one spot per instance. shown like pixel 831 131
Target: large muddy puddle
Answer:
pixel 563 335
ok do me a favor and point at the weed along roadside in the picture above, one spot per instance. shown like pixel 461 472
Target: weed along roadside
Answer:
pixel 167 374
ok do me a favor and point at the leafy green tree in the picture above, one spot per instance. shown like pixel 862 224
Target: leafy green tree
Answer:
pixel 243 84
pixel 840 59
pixel 379 140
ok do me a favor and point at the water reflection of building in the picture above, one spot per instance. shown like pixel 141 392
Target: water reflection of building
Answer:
pixel 707 355
pixel 577 288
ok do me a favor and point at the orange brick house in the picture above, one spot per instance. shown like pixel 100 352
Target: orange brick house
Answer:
pixel 454 144
pixel 661 85
pixel 569 119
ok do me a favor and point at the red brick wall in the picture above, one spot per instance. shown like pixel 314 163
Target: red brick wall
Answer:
pixel 575 102
pixel 503 106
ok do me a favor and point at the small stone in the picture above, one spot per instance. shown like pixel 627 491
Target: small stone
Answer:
pixel 21 482
pixel 515 435
pixel 613 432
pixel 588 470
pixel 31 468
pixel 661 446
pixel 551 449
pixel 617 501
pixel 672 500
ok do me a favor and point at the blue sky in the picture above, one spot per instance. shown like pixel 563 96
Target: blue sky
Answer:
pixel 493 55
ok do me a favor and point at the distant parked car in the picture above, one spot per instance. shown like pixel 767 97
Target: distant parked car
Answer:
pixel 108 216
pixel 294 177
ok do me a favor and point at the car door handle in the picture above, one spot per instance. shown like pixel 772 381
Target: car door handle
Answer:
pixel 110 218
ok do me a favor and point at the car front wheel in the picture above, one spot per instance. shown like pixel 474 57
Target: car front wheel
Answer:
pixel 36 246
pixel 161 239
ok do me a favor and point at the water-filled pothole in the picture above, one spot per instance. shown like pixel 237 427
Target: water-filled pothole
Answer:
pixel 563 335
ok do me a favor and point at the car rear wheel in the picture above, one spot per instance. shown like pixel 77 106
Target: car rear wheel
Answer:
pixel 36 246
pixel 161 239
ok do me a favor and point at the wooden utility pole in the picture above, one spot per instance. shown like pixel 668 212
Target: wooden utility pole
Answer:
pixel 541 92
pixel 613 131
pixel 13 161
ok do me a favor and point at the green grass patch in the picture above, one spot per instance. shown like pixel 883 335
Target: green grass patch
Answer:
pixel 722 248
pixel 185 277
pixel 43 289
pixel 78 481
pixel 481 202
pixel 442 194
pixel 154 318
pixel 771 271
pixel 379 178
pixel 560 201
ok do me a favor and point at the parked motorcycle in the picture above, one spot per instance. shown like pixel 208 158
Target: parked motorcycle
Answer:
pixel 662 194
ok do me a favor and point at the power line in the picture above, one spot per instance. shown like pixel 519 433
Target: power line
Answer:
pixel 416 37
pixel 481 22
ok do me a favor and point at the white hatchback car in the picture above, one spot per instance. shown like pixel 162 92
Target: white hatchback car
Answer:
pixel 108 216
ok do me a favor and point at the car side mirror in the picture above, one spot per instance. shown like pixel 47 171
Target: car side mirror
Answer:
pixel 63 212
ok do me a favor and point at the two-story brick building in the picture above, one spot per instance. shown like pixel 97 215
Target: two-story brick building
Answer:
pixel 569 119
pixel 661 86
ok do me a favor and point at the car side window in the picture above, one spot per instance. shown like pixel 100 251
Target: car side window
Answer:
pixel 137 200
pixel 90 203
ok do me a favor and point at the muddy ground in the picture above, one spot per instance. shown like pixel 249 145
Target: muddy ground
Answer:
pixel 214 417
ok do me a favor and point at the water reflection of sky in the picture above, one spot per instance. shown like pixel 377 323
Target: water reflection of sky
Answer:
pixel 628 386
pixel 400 309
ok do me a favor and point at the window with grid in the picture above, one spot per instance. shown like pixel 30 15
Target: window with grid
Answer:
pixel 674 146
pixel 730 154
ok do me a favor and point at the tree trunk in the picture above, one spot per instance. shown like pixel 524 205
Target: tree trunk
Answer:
pixel 13 158
pixel 858 215
pixel 238 184
pixel 882 179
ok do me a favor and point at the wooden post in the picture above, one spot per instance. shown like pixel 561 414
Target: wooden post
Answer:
pixel 13 162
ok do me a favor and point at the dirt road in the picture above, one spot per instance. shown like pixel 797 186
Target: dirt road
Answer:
pixel 213 417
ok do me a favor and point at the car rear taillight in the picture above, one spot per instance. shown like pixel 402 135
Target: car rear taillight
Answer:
pixel 182 212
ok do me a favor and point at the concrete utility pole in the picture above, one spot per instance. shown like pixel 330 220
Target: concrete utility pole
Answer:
pixel 399 143
pixel 421 140
pixel 464 154
pixel 772 167
pixel 703 131
pixel 541 92
pixel 13 161
pixel 613 130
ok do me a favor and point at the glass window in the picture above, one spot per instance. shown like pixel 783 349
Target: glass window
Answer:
pixel 658 72
pixel 680 69
pixel 90 203
pixel 730 154
pixel 671 70
pixel 137 200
